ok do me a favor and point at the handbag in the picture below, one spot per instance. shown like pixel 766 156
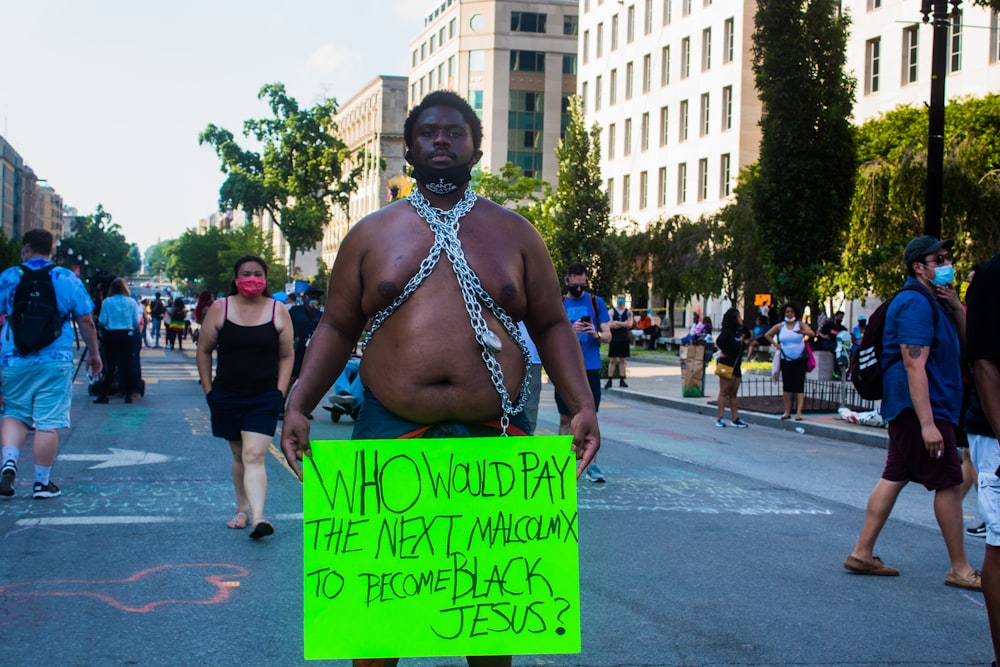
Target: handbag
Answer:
pixel 810 359
pixel 723 371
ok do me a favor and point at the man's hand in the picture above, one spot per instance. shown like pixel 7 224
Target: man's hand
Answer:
pixel 295 439
pixel 933 441
pixel 94 364
pixel 586 439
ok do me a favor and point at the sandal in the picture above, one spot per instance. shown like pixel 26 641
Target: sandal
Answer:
pixel 237 522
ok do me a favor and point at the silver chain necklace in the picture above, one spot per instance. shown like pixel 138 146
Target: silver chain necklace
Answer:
pixel 445 225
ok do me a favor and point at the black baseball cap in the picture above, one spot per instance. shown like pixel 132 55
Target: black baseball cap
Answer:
pixel 922 246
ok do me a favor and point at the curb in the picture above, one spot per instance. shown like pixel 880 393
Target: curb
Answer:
pixel 877 438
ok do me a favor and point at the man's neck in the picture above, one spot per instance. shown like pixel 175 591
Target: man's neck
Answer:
pixel 33 255
pixel 443 202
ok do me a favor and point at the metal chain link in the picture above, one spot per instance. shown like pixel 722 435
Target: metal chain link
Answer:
pixel 446 239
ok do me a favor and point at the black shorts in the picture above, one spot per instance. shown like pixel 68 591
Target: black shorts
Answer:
pixel 594 380
pixel 909 461
pixel 619 349
pixel 232 414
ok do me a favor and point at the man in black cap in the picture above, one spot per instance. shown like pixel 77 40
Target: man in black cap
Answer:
pixel 921 394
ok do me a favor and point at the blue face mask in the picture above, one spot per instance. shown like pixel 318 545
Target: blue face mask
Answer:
pixel 943 275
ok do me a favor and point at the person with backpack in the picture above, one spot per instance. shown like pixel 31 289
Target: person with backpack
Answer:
pixel 36 361
pixel 157 311
pixel 921 399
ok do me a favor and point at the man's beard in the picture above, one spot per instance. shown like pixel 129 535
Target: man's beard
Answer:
pixel 442 181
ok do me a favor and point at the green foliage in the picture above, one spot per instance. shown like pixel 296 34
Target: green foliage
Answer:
pixel 682 262
pixel 10 252
pixel 510 186
pixel 207 259
pixel 582 229
pixel 807 152
pixel 303 169
pixel 101 244
pixel 889 200
pixel 155 260
pixel 739 248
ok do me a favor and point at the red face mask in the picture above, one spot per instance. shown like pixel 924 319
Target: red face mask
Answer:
pixel 251 286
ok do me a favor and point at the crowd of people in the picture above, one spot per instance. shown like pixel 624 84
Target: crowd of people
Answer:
pixel 261 361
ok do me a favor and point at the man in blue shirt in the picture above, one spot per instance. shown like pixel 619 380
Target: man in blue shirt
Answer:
pixel 585 310
pixel 921 399
pixel 37 386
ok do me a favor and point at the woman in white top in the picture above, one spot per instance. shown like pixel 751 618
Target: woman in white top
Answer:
pixel 120 320
pixel 789 339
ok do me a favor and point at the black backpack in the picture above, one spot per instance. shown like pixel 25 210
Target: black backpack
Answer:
pixel 35 319
pixel 866 368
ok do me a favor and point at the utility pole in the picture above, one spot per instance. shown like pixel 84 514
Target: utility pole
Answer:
pixel 935 131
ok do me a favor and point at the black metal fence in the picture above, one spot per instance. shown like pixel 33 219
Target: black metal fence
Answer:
pixel 820 394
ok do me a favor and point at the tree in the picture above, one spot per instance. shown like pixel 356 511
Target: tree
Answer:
pixel 304 167
pixel 206 260
pixel 807 154
pixel 738 246
pixel 682 262
pixel 510 186
pixel 98 246
pixel 10 252
pixel 888 205
pixel 155 260
pixel 581 211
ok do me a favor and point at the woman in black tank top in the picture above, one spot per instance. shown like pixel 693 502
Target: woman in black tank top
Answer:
pixel 253 336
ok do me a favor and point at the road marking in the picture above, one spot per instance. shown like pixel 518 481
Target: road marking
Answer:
pixel 91 520
pixel 118 458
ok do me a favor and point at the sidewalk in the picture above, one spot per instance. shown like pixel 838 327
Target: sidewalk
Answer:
pixel 660 383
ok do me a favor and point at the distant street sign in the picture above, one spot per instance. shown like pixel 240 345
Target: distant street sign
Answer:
pixel 762 299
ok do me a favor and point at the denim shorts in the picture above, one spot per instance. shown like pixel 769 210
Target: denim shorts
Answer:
pixel 232 414
pixel 986 457
pixel 38 394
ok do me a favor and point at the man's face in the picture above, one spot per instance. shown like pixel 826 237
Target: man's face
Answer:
pixel 441 139
pixel 576 284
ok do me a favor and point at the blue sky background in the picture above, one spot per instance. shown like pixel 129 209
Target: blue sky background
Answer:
pixel 105 99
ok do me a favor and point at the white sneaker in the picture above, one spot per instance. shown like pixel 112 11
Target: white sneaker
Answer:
pixel 594 474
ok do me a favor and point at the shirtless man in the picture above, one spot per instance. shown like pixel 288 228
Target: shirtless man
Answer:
pixel 424 364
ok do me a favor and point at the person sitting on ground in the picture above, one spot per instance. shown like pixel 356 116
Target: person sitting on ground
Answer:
pixel 757 337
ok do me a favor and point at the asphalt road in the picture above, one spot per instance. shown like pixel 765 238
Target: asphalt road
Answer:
pixel 706 547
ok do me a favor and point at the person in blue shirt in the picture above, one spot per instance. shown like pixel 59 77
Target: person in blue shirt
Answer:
pixel 921 399
pixel 591 323
pixel 38 386
pixel 120 320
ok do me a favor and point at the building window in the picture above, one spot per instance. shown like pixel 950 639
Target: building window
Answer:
pixel 647 18
pixel 667 11
pixel 685 57
pixel 477 60
pixel 685 7
pixel 452 26
pixel 611 141
pixel 571 25
pixel 725 175
pixel 661 188
pixel 627 139
pixel 873 49
pixel 583 93
pixel 614 32
pixel 433 44
pixel 600 40
pixel 704 115
pixel 630 25
pixel 729 41
pixel 643 189
pixel 644 133
pixel 703 179
pixel 564 116
pixel 647 72
pixel 682 174
pixel 423 51
pixel 665 66
pixel 727 108
pixel 524 131
pixel 476 101
pixel 664 123
pixel 910 53
pixel 613 88
pixel 626 192
pixel 611 195
pixel 414 59
pixel 706 49
pixel 994 37
pixel 683 135
pixel 629 77
pixel 874 4
pixel 527 22
pixel 586 46
pixel 597 94
pixel 569 63
pixel 955 43
pixel 527 61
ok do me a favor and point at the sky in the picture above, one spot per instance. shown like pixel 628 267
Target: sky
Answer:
pixel 104 99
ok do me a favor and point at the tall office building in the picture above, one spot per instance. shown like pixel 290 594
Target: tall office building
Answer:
pixel 670 82
pixel 515 61
pixel 11 190
pixel 371 121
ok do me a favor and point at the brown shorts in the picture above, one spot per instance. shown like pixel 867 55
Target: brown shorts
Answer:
pixel 909 461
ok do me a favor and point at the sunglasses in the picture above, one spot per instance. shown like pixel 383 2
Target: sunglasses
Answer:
pixel 939 259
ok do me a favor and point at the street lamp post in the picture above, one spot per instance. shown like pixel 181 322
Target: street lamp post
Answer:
pixel 935 128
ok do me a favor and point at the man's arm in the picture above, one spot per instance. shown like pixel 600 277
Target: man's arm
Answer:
pixel 89 333
pixel 915 363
